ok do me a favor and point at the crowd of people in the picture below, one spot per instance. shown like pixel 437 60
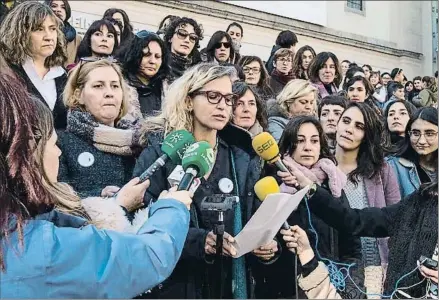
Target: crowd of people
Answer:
pixel 82 117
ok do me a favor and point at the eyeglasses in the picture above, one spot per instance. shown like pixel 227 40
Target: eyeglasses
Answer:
pixel 255 70
pixel 183 34
pixel 219 45
pixel 214 97
pixel 429 135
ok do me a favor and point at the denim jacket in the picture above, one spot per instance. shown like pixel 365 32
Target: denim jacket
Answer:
pixel 406 174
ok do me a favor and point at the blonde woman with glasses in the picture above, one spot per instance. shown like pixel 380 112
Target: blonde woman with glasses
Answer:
pixel 33 45
pixel 298 98
pixel 201 101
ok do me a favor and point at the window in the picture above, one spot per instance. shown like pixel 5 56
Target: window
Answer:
pixel 355 4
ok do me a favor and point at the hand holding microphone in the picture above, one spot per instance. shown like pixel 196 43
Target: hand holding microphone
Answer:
pixel 131 194
pixel 184 197
pixel 297 242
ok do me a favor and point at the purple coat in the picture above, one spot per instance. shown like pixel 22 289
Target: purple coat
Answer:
pixel 383 190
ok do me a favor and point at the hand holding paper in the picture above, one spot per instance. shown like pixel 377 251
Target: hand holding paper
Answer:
pixel 267 221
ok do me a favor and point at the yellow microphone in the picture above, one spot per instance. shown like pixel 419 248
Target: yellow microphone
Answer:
pixel 265 187
pixel 266 147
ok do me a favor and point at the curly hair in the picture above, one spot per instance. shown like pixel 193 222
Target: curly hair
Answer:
pixel 175 112
pixel 172 27
pixel 15 37
pixel 131 54
pixel 240 88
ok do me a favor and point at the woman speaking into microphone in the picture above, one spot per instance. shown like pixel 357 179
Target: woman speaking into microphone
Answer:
pixel 201 102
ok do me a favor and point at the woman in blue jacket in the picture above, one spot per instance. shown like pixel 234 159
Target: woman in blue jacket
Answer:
pixel 416 162
pixel 48 254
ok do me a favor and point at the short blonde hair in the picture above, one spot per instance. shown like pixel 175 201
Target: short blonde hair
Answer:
pixel 78 77
pixel 295 89
pixel 17 27
pixel 176 114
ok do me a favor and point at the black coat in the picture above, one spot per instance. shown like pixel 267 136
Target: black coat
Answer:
pixel 150 96
pixel 89 170
pixel 59 111
pixel 193 277
pixel 338 246
pixel 411 224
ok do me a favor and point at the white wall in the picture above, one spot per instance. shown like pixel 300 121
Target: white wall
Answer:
pixel 307 11
pixel 259 40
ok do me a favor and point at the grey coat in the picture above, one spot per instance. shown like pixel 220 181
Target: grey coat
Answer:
pixel 277 119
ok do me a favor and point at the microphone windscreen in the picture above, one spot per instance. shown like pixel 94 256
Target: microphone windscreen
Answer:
pixel 200 156
pixel 266 147
pixel 176 143
pixel 266 186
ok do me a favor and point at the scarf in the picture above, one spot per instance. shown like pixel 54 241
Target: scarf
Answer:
pixel 323 92
pixel 318 173
pixel 414 232
pixel 282 78
pixel 256 129
pixel 69 32
pixel 120 140
pixel 178 65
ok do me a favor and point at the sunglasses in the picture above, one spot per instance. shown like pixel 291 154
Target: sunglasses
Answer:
pixel 219 45
pixel 183 34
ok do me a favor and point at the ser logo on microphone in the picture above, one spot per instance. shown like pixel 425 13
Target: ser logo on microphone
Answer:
pixel 265 146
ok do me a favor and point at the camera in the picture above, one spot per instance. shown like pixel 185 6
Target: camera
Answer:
pixel 220 203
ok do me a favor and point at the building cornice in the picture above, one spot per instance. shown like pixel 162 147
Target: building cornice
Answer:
pixel 249 16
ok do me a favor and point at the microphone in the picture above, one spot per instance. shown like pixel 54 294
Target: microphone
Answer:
pixel 173 147
pixel 266 147
pixel 267 186
pixel 197 161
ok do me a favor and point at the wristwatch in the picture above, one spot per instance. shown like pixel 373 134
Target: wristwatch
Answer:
pixel 312 190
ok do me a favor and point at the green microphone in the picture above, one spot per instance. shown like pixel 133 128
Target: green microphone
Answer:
pixel 173 147
pixel 197 161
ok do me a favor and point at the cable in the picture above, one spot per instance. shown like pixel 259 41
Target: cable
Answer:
pixel 337 278
pixel 295 276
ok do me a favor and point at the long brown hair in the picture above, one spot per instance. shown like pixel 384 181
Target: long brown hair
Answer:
pixel 16 30
pixel 22 191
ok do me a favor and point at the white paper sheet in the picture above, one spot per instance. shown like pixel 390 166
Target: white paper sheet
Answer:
pixel 267 221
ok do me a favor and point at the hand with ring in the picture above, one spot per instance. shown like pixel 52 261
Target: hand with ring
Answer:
pixel 266 252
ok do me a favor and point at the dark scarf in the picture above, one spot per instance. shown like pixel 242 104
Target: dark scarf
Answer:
pixel 414 233
pixel 178 65
pixel 69 32
pixel 121 139
pixel 282 78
